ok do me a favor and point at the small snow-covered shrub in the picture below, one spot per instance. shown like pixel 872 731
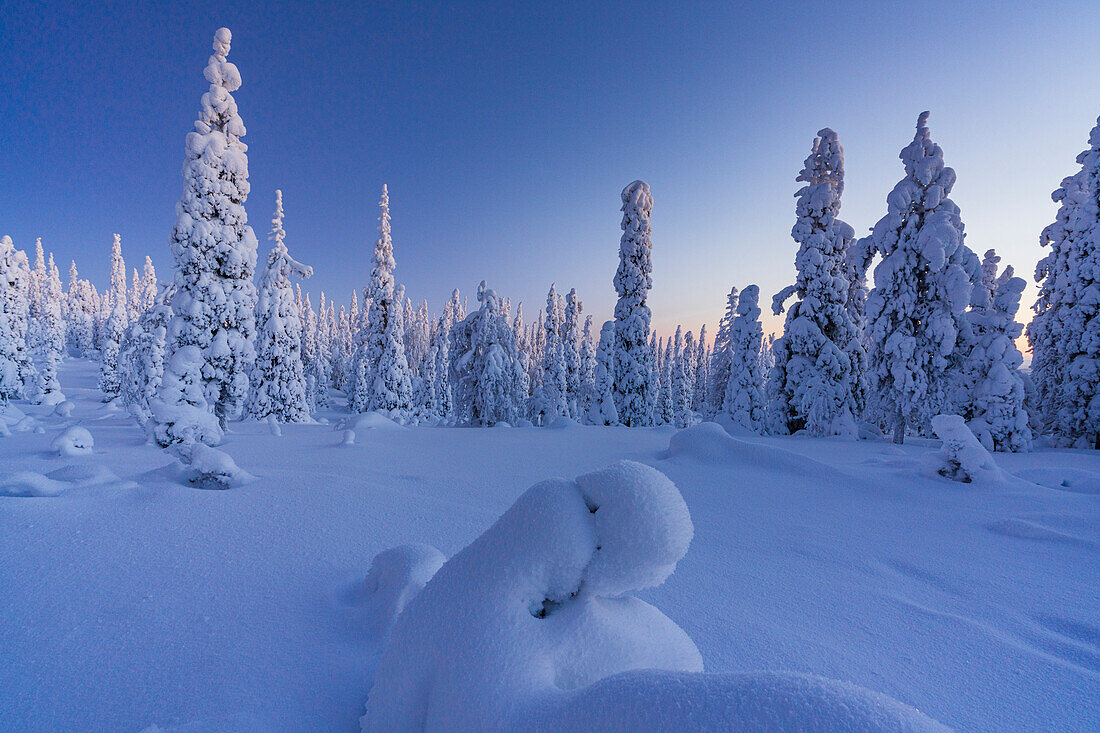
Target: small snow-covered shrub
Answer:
pixel 29 483
pixel 210 468
pixel 962 457
pixel 64 408
pixel 73 441
pixel 396 576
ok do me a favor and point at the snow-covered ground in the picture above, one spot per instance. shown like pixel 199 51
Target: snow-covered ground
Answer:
pixel 130 599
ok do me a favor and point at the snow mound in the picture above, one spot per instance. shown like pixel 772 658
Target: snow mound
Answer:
pixel 73 441
pixel 1073 480
pixel 396 576
pixel 962 457
pixel 537 605
pixel 348 438
pixel 29 483
pixel 372 421
pixel 532 627
pixel 51 399
pixel 708 442
pixel 210 468
pixel 660 701
pixel 64 409
pixel 563 423
pixel 87 474
pixel 870 431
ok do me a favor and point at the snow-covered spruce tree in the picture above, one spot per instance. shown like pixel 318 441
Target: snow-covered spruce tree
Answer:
pixel 921 288
pixel 133 309
pixel 485 371
pixel 54 286
pixel 519 332
pixel 313 364
pixel 744 399
pixel 550 398
pixel 702 373
pixel 46 336
pixel 28 373
pixel 13 324
pixel 148 296
pixel 381 372
pixel 632 316
pixel 278 379
pixel 998 417
pixel 214 250
pixel 665 409
pixel 1065 332
pixel 601 410
pixel 811 385
pixel 80 318
pixel 114 329
pixel 586 377
pixel 720 357
pixel 142 359
pixel 683 382
pixel 180 413
pixel 570 336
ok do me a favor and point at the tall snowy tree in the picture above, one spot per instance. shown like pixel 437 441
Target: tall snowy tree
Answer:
pixel 147 298
pixel 720 357
pixel 115 328
pixel 922 288
pixel 683 381
pixel 601 410
pixel 586 375
pixel 550 399
pixel 702 374
pixel 744 399
pixel 80 316
pixel 485 371
pixel 382 380
pixel 997 416
pixel 278 379
pixel 13 323
pixel 632 316
pixel 812 384
pixel 570 336
pixel 1065 332
pixel 214 249
pixel 46 334
pixel 142 360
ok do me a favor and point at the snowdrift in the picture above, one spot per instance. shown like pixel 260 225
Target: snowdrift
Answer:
pixel 533 627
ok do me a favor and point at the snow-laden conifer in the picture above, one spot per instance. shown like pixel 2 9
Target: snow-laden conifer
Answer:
pixel 812 384
pixel 586 376
pixel 116 325
pixel 485 371
pixel 214 250
pixel 142 359
pixel 632 315
pixel 278 378
pixel 570 336
pixel 13 323
pixel 601 410
pixel 921 288
pixel 550 398
pixel 382 379
pixel 720 357
pixel 46 334
pixel 744 398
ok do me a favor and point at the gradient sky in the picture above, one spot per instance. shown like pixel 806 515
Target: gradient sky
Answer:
pixel 506 131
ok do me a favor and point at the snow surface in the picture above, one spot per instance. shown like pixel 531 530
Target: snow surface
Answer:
pixel 133 600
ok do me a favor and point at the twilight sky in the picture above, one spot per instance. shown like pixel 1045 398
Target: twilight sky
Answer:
pixel 506 131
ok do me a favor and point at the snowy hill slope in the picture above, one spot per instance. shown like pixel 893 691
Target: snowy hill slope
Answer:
pixel 131 599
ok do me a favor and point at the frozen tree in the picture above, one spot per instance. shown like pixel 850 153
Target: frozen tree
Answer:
pixel 382 380
pixel 744 398
pixel 519 332
pixel 485 371
pixel 601 410
pixel 13 324
pixel 702 374
pixel 720 357
pixel 148 295
pixel 142 359
pixel 46 334
pixel 1065 333
pixel 550 398
pixel 922 287
pixel 278 379
pixel 632 316
pixel 313 363
pixel 998 416
pixel 586 375
pixel 665 408
pixel 133 295
pixel 214 250
pixel 180 413
pixel 683 381
pixel 812 384
pixel 80 316
pixel 570 336
pixel 115 328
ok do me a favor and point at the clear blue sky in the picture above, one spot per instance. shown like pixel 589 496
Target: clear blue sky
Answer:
pixel 506 130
